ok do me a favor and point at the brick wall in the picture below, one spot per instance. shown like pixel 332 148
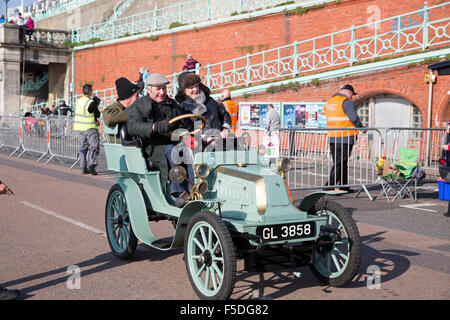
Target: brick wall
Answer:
pixel 217 43
pixel 406 82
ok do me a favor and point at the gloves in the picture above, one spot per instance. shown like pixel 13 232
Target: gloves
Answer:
pixel 163 126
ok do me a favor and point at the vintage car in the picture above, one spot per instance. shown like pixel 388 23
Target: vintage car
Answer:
pixel 242 209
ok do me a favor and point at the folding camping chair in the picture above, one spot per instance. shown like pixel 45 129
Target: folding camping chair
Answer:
pixel 400 179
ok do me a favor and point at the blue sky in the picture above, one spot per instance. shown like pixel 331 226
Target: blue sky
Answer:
pixel 13 3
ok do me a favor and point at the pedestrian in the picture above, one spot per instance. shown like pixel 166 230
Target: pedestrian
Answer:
pixel 47 110
pixel 2 19
pixel 140 81
pixel 63 109
pixel 86 122
pixel 148 118
pixel 53 111
pixel 232 109
pixel 29 24
pixel 20 21
pixel 272 120
pixel 7 294
pixel 341 113
pixel 191 64
pixel 127 93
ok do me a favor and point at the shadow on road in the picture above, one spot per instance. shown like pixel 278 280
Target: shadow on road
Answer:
pixel 100 263
pixel 391 263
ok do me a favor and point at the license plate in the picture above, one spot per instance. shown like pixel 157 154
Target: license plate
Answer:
pixel 287 231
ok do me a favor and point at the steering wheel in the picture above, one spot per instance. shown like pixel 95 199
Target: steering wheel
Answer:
pixel 190 115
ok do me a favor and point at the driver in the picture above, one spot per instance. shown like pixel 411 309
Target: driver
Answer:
pixel 148 118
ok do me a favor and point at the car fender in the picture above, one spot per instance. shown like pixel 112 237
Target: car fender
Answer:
pixel 310 200
pixel 189 210
pixel 137 210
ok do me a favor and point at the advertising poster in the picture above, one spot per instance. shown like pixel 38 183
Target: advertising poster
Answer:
pixel 321 117
pixel 300 115
pixel 254 115
pixel 312 111
pixel 244 118
pixel 289 115
pixel 263 108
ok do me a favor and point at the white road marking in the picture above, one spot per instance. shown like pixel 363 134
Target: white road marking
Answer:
pixel 67 219
pixel 419 206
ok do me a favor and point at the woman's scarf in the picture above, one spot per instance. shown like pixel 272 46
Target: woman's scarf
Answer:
pixel 196 105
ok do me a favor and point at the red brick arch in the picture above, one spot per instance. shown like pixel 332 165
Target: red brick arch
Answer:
pixel 444 109
pixel 372 92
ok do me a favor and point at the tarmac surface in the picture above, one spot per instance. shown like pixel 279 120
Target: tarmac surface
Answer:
pixel 53 245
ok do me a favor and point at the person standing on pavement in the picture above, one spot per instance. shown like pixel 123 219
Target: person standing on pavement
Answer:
pixel 7 294
pixel 341 113
pixel 127 93
pixel 190 64
pixel 232 109
pixel 63 109
pixel 85 122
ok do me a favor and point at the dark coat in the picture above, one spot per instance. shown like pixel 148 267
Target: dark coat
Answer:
pixel 114 114
pixel 217 117
pixel 141 116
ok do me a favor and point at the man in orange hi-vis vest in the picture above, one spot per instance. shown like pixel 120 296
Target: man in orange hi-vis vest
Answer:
pixel 340 112
pixel 232 109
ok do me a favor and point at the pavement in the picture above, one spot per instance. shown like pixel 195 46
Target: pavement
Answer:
pixel 53 245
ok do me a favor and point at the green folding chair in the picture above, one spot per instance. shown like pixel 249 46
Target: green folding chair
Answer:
pixel 401 183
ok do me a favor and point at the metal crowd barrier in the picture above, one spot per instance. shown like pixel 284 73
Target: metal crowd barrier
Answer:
pixel 312 159
pixel 10 133
pixel 40 135
pixel 308 148
pixel 428 141
pixel 35 135
pixel 63 141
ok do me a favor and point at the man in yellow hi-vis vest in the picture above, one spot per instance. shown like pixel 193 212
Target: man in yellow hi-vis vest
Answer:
pixel 340 112
pixel 85 121
pixel 232 109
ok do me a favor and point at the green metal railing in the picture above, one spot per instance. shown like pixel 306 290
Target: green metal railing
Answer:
pixel 34 85
pixel 119 10
pixel 356 45
pixel 384 39
pixel 189 12
pixel 59 9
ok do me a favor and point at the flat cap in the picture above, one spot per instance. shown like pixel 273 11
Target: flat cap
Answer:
pixel 156 80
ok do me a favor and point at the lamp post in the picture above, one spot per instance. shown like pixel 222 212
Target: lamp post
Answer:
pixel 6 10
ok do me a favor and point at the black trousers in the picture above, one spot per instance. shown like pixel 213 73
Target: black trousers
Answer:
pixel 340 152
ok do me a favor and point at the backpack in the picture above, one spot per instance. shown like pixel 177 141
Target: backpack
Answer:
pixel 418 173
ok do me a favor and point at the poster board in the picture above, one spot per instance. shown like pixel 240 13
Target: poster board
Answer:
pixel 304 115
pixel 253 114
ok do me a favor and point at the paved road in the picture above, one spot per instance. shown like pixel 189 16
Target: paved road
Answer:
pixel 56 220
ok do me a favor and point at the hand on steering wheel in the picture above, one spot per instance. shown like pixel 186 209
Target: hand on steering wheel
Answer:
pixel 186 116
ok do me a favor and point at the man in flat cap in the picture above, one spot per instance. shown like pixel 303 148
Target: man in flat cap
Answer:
pixel 341 113
pixel 149 118
pixel 127 93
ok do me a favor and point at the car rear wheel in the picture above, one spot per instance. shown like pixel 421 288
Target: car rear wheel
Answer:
pixel 210 256
pixel 119 231
pixel 336 264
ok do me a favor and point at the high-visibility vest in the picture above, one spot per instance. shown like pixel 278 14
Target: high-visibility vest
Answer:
pixel 233 111
pixel 83 120
pixel 337 118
